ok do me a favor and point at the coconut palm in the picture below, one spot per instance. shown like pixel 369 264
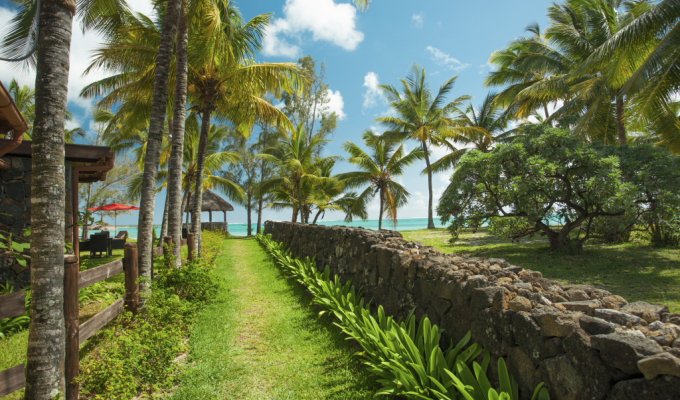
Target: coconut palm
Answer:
pixel 174 193
pixel 553 68
pixel 656 80
pixel 299 180
pixel 422 116
pixel 385 161
pixel 46 345
pixel 477 128
pixel 225 81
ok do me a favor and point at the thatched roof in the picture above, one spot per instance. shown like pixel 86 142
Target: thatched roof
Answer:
pixel 213 202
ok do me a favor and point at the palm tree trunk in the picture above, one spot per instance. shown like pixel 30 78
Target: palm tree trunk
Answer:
pixel 382 207
pixel 620 121
pixel 430 218
pixel 154 142
pixel 198 188
pixel 177 149
pixel 249 209
pixel 260 204
pixel 295 215
pixel 46 339
pixel 164 223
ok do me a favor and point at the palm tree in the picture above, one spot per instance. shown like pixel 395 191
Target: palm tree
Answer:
pixel 653 83
pixel 422 117
pixel 159 106
pixel 174 193
pixel 299 180
pixel 552 68
pixel 224 80
pixel 46 344
pixel 476 128
pixel 385 162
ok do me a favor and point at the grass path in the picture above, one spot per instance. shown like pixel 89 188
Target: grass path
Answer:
pixel 262 340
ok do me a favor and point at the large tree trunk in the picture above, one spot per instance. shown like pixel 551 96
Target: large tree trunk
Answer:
pixel 295 215
pixel 46 340
pixel 620 121
pixel 430 217
pixel 198 188
pixel 382 207
pixel 177 149
pixel 154 142
pixel 249 209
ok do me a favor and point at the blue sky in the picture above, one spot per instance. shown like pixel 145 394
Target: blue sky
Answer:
pixel 359 50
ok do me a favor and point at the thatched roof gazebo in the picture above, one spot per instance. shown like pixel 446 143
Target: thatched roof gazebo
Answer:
pixel 214 202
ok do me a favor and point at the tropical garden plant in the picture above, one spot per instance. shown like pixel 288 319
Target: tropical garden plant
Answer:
pixel 405 356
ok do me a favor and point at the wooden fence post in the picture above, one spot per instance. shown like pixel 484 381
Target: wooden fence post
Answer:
pixel 131 277
pixel 71 311
pixel 190 245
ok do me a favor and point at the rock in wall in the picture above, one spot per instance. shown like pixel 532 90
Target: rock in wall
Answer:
pixel 583 342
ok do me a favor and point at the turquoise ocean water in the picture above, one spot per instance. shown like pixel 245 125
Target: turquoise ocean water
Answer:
pixel 241 229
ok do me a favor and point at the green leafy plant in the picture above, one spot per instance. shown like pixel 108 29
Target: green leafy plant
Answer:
pixel 406 356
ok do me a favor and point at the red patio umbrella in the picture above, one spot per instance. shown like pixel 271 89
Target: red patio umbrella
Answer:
pixel 115 207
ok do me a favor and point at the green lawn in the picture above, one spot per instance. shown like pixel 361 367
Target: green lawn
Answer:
pixel 262 339
pixel 632 270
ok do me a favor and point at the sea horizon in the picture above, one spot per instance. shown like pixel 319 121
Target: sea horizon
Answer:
pixel 240 229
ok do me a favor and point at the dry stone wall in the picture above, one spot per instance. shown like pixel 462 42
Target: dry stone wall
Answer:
pixel 583 342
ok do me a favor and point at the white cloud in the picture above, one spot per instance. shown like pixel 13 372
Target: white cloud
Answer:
pixel 326 20
pixel 445 59
pixel 274 46
pixel 373 94
pixel 82 46
pixel 418 19
pixel 336 103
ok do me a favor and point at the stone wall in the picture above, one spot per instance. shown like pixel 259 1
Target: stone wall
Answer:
pixel 582 341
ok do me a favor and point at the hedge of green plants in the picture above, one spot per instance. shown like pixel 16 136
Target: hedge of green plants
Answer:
pixel 406 357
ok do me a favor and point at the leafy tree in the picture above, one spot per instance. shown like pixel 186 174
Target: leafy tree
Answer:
pixel 378 171
pixel 655 173
pixel 246 174
pixel 548 180
pixel 309 107
pixel 422 117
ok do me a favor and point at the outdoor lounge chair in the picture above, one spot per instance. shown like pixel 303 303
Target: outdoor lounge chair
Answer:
pixel 122 235
pixel 99 244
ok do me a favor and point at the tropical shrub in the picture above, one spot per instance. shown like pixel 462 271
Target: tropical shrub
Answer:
pixel 405 356
pixel 136 354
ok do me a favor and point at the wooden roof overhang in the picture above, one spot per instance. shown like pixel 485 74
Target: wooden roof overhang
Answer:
pixel 91 162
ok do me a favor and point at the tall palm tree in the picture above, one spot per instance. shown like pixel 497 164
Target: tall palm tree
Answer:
pixel 159 104
pixel 379 169
pixel 46 345
pixel 224 80
pixel 174 193
pixel 422 117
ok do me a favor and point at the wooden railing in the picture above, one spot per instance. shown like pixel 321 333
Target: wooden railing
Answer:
pixel 13 305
